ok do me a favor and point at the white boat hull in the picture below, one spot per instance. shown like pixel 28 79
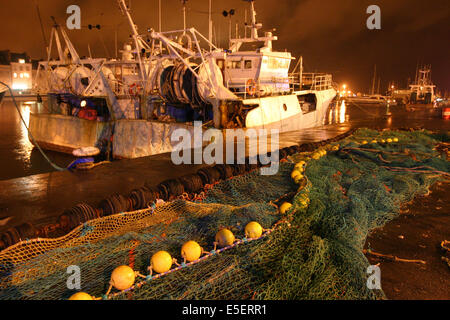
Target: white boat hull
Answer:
pixel 285 113
pixel 141 138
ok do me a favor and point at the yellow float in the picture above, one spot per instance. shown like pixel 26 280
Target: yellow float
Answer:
pixel 304 202
pixel 191 251
pixel 395 139
pixel 123 278
pixel 298 179
pixel 81 296
pixel 225 238
pixel 389 140
pixel 295 174
pixel 285 207
pixel 253 230
pixel 300 166
pixel 315 156
pixel 161 262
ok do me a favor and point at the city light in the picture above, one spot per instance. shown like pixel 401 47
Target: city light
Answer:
pixel 19 86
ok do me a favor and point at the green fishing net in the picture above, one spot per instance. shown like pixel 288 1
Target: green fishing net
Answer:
pixel 316 253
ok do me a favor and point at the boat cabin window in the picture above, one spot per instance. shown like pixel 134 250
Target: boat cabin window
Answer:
pixel 248 64
pixel 308 102
pixel 220 63
pixel 234 65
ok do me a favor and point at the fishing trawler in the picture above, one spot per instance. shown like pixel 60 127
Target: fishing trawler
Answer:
pixel 423 90
pixel 166 81
pixel 375 99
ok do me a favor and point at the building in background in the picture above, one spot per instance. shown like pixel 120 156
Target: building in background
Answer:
pixel 17 70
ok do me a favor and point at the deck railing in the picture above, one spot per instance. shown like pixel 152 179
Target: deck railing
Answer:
pixel 310 81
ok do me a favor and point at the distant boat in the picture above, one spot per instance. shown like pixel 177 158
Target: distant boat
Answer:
pixel 423 90
pixel 371 99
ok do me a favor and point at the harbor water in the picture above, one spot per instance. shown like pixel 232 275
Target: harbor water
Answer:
pixel 20 158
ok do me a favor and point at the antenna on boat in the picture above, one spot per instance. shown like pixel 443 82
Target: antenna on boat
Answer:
pixel 255 26
pixel 245 24
pixel 137 40
pixel 235 44
pixel 160 23
pixel 210 27
pixel 159 16
pixel 374 79
pixel 184 15
pixel 42 26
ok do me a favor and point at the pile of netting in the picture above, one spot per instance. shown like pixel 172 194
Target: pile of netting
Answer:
pixel 316 253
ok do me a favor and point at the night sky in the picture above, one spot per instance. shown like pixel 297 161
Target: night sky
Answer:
pixel 330 34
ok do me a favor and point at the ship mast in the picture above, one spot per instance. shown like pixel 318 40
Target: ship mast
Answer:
pixel 254 36
pixel 373 79
pixel 136 37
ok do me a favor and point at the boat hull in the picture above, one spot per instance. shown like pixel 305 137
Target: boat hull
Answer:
pixel 285 113
pixel 141 138
pixel 65 133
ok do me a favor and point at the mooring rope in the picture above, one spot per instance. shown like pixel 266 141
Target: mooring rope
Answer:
pixel 54 165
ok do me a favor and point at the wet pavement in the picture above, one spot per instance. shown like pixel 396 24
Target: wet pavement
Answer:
pixel 416 234
pixel 31 192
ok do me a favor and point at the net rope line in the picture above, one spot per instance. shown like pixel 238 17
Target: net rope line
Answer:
pixel 393 168
pixel 70 240
pixel 212 253
pixel 77 235
pixel 186 265
pixel 196 198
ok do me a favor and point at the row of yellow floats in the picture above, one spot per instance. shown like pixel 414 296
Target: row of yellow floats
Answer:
pixel 298 175
pixel 383 141
pixel 123 277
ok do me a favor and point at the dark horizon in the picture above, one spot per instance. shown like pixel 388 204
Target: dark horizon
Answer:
pixel 330 35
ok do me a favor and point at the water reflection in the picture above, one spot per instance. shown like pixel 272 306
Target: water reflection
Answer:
pixel 337 113
pixel 18 156
pixel 24 143
pixel 342 112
